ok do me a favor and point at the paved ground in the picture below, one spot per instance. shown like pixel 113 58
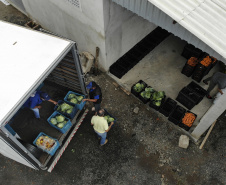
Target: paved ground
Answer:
pixel 142 149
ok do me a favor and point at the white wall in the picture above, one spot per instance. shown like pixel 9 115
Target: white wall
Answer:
pixel 123 30
pixel 85 26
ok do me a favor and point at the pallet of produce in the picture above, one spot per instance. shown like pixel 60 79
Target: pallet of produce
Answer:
pixel 46 143
pixel 60 122
pixel 137 88
pixel 67 109
pixel 75 99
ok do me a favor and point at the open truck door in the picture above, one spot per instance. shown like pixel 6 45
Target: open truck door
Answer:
pixel 30 59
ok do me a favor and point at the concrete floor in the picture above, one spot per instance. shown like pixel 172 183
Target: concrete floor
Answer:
pixel 161 69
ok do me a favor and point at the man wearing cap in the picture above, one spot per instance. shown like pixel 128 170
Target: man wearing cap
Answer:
pixel 95 95
pixel 35 100
pixel 100 126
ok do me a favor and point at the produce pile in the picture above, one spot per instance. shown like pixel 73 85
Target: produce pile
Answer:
pixel 148 91
pixel 206 61
pixel 138 87
pixel 192 61
pixel 188 119
pixel 157 97
pixel 73 98
pixel 58 121
pixel 45 142
pixel 109 118
pixel 65 108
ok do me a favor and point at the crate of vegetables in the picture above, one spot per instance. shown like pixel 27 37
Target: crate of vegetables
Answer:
pixel 157 99
pixel 137 88
pixel 46 143
pixel 60 122
pixel 145 95
pixel 75 99
pixel 109 117
pixel 188 120
pixel 67 109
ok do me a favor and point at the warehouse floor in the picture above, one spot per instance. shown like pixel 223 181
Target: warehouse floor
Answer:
pixel 161 69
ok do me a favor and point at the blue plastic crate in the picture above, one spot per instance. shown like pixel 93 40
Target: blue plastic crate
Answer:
pixel 66 127
pixel 72 115
pixel 54 148
pixel 107 113
pixel 79 106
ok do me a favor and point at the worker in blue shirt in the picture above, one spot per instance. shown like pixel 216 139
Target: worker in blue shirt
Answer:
pixel 95 95
pixel 35 100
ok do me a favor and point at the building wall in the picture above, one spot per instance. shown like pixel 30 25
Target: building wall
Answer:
pixel 123 30
pixel 101 23
pixel 85 26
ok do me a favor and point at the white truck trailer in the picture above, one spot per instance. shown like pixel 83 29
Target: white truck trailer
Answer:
pixel 29 59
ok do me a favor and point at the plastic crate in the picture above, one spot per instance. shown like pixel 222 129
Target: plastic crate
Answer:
pixel 144 100
pixel 137 93
pixel 74 111
pixel 54 147
pixel 168 107
pixel 199 72
pixel 177 115
pixel 80 105
pixel 188 98
pixel 188 70
pixel 118 70
pixel 66 127
pixel 198 90
pixel 157 107
pixel 107 113
pixel 185 127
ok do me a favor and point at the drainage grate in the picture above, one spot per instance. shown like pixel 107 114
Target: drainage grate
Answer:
pixel 139 51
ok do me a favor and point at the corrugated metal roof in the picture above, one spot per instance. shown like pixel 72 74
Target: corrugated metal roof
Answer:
pixel 200 22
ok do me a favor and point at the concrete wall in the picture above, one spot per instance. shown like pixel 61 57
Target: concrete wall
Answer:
pixel 211 115
pixel 123 30
pixel 85 26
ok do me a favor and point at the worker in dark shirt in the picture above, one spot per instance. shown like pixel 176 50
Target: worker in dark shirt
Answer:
pixel 95 95
pixel 219 79
pixel 35 100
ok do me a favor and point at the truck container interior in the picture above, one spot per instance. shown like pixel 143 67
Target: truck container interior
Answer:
pixel 60 81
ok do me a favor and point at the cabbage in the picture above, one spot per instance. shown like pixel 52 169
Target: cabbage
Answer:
pixel 146 94
pixel 106 117
pixel 70 96
pixel 60 118
pixel 158 103
pixel 64 107
pixel 60 125
pixel 138 87
pixel 79 98
pixel 110 119
pixel 53 121
pixel 158 95
pixel 69 111
pixel 149 89
pixel 74 100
